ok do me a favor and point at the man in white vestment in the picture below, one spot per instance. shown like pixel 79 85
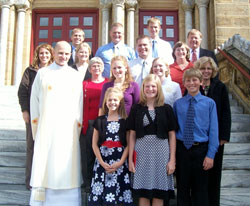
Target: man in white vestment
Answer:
pixel 140 67
pixel 56 119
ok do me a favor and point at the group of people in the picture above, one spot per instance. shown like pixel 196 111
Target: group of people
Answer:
pixel 119 124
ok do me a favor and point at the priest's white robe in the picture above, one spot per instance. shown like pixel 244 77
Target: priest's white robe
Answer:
pixel 56 119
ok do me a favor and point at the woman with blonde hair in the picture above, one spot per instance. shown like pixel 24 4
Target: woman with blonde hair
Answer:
pixel 152 145
pixel 83 51
pixel 43 56
pixel 121 78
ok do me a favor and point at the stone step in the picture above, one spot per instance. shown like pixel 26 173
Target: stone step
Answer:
pixel 12 175
pixel 236 110
pixel 235 178
pixel 235 197
pixel 240 127
pixel 240 137
pixel 241 118
pixel 12 146
pixel 12 134
pixel 12 159
pixel 233 102
pixel 14 195
pixel 237 148
pixel 233 162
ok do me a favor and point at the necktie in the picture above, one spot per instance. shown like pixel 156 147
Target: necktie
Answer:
pixel 189 126
pixel 194 56
pixel 115 51
pixel 154 49
pixel 142 70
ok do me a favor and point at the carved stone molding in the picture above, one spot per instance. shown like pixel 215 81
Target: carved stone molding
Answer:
pixel 105 4
pixel 119 3
pixel 202 3
pixel 188 5
pixel 131 4
pixel 6 2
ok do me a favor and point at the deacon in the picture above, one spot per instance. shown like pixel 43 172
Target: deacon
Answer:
pixel 56 117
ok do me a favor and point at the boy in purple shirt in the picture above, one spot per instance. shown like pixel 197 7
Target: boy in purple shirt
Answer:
pixel 197 141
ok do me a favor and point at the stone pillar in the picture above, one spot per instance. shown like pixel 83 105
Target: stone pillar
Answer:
pixel 202 5
pixel 130 5
pixel 18 65
pixel 118 11
pixel 105 8
pixel 5 8
pixel 188 6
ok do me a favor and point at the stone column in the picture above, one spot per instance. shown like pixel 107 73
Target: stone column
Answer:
pixel 118 11
pixel 130 5
pixel 105 8
pixel 202 5
pixel 5 8
pixel 188 6
pixel 18 65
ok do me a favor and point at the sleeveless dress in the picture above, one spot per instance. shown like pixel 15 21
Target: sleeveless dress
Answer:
pixel 111 188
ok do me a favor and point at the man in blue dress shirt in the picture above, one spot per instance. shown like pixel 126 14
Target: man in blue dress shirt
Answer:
pixel 114 48
pixel 195 153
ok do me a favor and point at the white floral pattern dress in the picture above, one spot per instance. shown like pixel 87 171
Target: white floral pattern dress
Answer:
pixel 111 188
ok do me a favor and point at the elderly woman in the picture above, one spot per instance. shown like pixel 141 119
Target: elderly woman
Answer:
pixel 181 56
pixel 83 51
pixel 215 89
pixel 43 57
pixel 171 90
pixel 91 97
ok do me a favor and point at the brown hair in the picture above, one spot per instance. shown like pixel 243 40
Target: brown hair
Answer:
pixel 180 44
pixel 159 100
pixel 193 32
pixel 203 60
pixel 121 109
pixel 143 37
pixel 36 60
pixel 164 61
pixel 77 30
pixel 116 25
pixel 128 77
pixel 82 45
pixel 154 20
pixel 192 72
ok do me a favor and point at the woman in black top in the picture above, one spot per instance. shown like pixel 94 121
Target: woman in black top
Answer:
pixel 215 89
pixel 43 57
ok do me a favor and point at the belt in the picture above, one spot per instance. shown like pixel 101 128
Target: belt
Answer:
pixel 195 143
pixel 111 144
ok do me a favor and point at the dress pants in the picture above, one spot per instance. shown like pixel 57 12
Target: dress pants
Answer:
pixel 192 179
pixel 214 178
pixel 29 154
pixel 87 157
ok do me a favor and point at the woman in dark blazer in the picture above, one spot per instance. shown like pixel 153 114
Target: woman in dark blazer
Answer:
pixel 215 89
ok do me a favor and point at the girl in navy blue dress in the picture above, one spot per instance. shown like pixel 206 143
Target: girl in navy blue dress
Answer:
pixel 111 182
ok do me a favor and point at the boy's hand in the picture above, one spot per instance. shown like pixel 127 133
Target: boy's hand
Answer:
pixel 208 163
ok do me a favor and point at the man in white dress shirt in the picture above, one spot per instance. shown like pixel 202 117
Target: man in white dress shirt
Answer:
pixel 56 119
pixel 160 48
pixel 140 67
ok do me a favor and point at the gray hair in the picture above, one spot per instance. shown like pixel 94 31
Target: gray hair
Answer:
pixel 94 60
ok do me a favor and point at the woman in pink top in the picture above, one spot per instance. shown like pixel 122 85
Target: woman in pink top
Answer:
pixel 181 56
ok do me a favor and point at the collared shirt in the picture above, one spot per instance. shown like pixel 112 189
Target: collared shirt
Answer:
pixel 205 120
pixel 164 50
pixel 171 91
pixel 136 68
pixel 197 53
pixel 106 53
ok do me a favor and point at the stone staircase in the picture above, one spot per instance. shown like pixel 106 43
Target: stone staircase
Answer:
pixel 236 166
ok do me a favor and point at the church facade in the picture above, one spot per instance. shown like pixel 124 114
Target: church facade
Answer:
pixel 28 23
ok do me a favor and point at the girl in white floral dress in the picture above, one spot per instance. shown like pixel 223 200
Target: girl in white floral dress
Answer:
pixel 111 182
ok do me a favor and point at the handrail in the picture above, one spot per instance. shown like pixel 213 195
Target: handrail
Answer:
pixel 235 64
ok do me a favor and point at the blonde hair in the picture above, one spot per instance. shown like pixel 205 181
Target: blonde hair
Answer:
pixel 118 93
pixel 202 61
pixel 154 20
pixel 159 99
pixel 164 61
pixel 192 72
pixel 116 25
pixel 194 32
pixel 180 44
pixel 128 77
pixel 77 30
pixel 36 60
pixel 80 46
